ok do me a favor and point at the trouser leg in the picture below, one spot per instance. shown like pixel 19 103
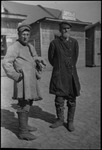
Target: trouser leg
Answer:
pixel 71 103
pixel 23 110
pixel 59 105
pixel 30 128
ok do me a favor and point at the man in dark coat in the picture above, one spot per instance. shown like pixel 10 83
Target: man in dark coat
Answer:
pixel 62 54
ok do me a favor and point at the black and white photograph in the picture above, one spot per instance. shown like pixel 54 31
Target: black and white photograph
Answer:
pixel 51 74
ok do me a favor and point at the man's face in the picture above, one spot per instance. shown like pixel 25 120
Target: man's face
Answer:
pixel 65 30
pixel 24 36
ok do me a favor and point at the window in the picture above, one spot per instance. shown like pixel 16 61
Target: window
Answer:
pixel 3 45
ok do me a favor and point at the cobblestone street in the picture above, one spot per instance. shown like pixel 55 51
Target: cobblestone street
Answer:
pixel 42 114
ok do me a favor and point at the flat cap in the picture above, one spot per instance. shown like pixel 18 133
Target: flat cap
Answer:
pixel 23 26
pixel 66 23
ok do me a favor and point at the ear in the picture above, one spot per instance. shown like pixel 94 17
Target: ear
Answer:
pixel 19 33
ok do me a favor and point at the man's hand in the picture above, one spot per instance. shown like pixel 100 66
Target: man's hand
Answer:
pixel 20 77
pixel 38 65
pixel 43 62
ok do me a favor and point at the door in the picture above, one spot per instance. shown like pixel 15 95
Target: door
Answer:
pixel 97 43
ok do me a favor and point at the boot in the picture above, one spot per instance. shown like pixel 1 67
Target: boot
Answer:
pixel 60 119
pixel 24 134
pixel 70 118
pixel 30 129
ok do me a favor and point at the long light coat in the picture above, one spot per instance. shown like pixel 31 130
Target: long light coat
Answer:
pixel 18 58
pixel 63 56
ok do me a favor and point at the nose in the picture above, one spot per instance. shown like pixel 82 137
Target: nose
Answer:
pixel 25 36
pixel 66 29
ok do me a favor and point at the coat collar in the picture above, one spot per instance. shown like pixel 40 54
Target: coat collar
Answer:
pixel 61 38
pixel 22 43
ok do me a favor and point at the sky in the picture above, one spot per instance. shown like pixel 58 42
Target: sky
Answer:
pixel 88 11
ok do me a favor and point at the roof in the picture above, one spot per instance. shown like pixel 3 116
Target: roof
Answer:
pixel 60 20
pixel 93 25
pixel 32 10
pixel 10 16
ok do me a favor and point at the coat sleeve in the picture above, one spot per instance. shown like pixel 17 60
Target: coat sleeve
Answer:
pixel 8 61
pixel 37 58
pixel 51 52
pixel 33 50
pixel 76 51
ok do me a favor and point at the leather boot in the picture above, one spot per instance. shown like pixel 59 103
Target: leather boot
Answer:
pixel 70 118
pixel 30 128
pixel 24 134
pixel 60 119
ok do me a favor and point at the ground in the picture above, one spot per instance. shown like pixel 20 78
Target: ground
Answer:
pixel 42 114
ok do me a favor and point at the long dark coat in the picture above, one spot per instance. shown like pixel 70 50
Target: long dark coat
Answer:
pixel 18 58
pixel 63 56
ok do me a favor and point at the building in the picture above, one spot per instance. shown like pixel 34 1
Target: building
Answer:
pixel 9 23
pixel 45 30
pixel 45 26
pixel 93 45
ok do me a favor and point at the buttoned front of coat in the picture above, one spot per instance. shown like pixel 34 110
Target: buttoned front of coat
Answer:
pixel 18 59
pixel 63 56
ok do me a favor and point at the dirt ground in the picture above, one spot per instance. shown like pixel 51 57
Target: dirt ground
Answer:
pixel 42 114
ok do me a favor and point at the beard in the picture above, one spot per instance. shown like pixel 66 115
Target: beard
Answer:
pixel 66 35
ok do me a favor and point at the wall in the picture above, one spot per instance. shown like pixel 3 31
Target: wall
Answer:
pixel 89 48
pixel 11 35
pixel 47 35
pixel 93 46
pixel 9 28
pixel 97 49
pixel 80 37
pixel 35 37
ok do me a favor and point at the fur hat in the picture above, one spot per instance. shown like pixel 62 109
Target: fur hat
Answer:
pixel 65 23
pixel 23 26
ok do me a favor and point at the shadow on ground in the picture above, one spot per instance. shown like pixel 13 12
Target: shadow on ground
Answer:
pixel 37 112
pixel 8 121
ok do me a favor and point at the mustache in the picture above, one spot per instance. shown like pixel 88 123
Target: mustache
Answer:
pixel 66 33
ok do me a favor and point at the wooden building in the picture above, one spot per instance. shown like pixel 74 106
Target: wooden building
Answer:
pixel 45 30
pixel 93 45
pixel 44 23
pixel 9 23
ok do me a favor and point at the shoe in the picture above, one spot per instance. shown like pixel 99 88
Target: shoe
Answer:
pixel 57 124
pixel 24 133
pixel 70 126
pixel 26 136
pixel 31 129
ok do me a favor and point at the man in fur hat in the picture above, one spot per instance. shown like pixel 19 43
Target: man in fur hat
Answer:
pixel 20 64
